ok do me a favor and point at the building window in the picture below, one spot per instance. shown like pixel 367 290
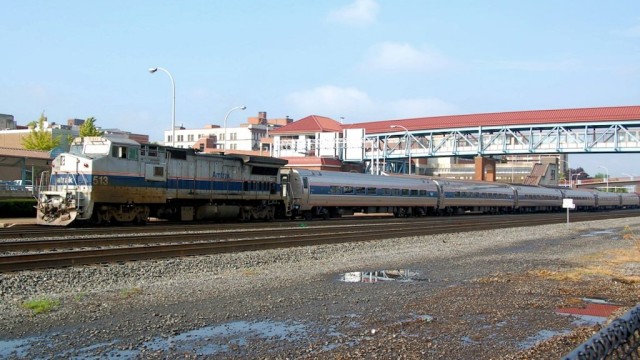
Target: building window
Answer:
pixel 168 138
pixel 180 138
pixel 190 137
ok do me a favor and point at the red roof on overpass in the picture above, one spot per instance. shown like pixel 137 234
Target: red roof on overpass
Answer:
pixel 314 123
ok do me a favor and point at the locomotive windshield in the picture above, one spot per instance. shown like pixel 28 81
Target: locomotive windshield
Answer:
pixel 90 146
pixel 76 149
pixel 89 149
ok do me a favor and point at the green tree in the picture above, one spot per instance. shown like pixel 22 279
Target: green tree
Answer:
pixel 39 138
pixel 88 128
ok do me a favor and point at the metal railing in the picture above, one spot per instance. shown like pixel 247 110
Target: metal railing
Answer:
pixel 619 340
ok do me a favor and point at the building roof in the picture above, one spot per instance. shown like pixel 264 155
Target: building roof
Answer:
pixel 312 161
pixel 310 124
pixel 22 153
pixel 314 123
pixel 507 118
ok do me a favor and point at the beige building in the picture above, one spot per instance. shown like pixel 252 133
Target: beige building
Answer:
pixel 249 137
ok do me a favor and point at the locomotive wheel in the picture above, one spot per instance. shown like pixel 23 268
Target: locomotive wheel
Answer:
pixel 308 216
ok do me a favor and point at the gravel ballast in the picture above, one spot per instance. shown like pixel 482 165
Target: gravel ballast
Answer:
pixel 486 294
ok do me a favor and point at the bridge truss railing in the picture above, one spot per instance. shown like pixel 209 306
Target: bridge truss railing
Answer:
pixel 498 140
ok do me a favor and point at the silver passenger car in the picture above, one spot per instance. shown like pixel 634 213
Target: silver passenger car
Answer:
pixel 331 194
pixel 460 197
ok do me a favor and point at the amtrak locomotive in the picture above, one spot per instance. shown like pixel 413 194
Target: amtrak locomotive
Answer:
pixel 104 180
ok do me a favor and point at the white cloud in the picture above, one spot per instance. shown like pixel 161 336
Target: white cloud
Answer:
pixel 403 57
pixel 356 105
pixel 359 13
pixel 329 101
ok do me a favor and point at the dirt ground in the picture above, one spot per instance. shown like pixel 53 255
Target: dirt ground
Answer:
pixel 487 302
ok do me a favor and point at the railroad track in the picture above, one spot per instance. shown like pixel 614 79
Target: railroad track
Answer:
pixel 84 249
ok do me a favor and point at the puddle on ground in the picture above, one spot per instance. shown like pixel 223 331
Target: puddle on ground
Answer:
pixel 592 312
pixel 213 340
pixel 599 232
pixel 379 276
pixel 17 347
pixel 218 340
pixel 542 335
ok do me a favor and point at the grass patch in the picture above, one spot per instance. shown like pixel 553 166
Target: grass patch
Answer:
pixel 629 234
pixel 41 305
pixel 11 208
pixel 128 293
pixel 607 264
pixel 80 296
pixel 250 272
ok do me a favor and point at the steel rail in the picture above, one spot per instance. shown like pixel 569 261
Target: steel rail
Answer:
pixel 259 239
pixel 192 235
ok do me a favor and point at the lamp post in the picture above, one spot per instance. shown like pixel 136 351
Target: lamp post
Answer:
pixel 241 107
pixel 266 137
pixel 629 175
pixel 408 142
pixel 568 167
pixel 269 126
pixel 173 110
pixel 604 167
pixel 576 175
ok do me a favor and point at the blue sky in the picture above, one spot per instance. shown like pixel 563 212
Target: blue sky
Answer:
pixel 363 60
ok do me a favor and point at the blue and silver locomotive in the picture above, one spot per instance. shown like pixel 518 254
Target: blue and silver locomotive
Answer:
pixel 103 180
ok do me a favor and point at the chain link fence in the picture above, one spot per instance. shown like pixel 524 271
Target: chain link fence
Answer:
pixel 619 340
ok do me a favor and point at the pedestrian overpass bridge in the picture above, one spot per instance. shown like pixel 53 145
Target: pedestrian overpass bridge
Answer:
pixel 606 183
pixel 570 131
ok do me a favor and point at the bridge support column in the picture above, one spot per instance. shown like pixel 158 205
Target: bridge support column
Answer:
pixel 485 169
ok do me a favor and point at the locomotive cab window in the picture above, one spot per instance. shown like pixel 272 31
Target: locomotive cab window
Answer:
pixel 119 152
pixel 151 151
pixel 132 153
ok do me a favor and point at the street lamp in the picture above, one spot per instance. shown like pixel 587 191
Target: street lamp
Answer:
pixel 408 142
pixel 173 111
pixel 629 175
pixel 266 137
pixel 576 175
pixel 568 167
pixel 604 167
pixel 241 107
